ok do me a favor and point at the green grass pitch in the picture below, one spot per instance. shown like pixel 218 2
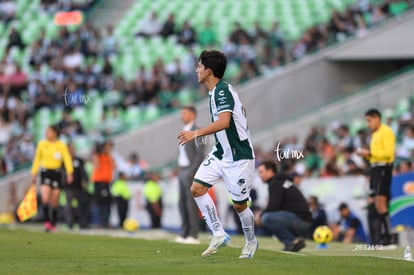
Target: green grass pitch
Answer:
pixel 25 251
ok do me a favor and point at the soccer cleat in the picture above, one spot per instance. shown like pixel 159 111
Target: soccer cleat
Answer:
pixel 215 244
pixel 52 228
pixel 179 239
pixel 249 250
pixel 191 240
pixel 297 245
pixel 48 226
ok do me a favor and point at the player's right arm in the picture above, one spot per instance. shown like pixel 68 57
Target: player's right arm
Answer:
pixel 36 161
pixel 223 122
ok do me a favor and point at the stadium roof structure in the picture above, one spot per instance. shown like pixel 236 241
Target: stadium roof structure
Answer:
pixel 391 43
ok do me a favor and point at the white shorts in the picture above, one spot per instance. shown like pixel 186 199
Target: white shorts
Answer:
pixel 237 176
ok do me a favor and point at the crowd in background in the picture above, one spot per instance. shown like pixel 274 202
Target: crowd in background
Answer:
pixel 79 62
pixel 331 150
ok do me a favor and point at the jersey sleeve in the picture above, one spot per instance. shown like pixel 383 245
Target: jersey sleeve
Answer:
pixel 224 101
pixel 37 157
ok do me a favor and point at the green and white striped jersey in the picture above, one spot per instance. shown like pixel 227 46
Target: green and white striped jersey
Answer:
pixel 233 143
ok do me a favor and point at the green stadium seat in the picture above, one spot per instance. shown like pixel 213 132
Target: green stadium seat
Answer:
pixel 152 112
pixel 133 117
pixel 403 106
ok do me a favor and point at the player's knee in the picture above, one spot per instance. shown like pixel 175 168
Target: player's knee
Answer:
pixel 198 190
pixel 381 204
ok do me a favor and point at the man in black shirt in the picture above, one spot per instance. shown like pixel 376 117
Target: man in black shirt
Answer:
pixel 77 205
pixel 287 214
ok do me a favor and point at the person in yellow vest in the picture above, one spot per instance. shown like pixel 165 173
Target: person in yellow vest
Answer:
pixel 50 153
pixel 122 195
pixel 380 154
pixel 153 194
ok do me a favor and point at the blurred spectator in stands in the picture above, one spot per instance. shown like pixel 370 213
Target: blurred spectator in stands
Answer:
pixel 65 122
pixel 338 25
pixel 246 73
pixel 257 33
pixel 11 154
pixel 312 160
pixel 404 166
pixel 276 45
pixel 330 169
pixel 5 131
pixel 317 39
pixel 406 150
pixel 299 48
pixel 318 214
pixel 15 39
pixel 113 122
pixel 361 139
pixel 189 63
pixel 73 59
pixel 187 34
pixel 345 139
pixel 8 10
pixel 18 81
pixel 238 34
pixel 230 50
pixel 349 228
pixel 353 169
pixel 376 16
pixel 361 26
pixel 43 98
pixel 26 149
pixel 246 52
pixel 207 37
pixel 168 28
pixel 151 26
pixel 153 195
pixel 109 42
pixel 352 163
pixel 397 7
pixel 133 169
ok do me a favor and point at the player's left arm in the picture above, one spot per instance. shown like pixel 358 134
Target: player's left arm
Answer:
pixel 67 160
pixel 222 123
pixel 350 232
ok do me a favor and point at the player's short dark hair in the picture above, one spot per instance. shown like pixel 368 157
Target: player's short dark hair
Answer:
pixel 343 206
pixel 190 108
pixel 269 165
pixel 215 61
pixel 55 128
pixel 373 113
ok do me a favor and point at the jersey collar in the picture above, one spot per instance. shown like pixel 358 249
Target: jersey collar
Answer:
pixel 212 90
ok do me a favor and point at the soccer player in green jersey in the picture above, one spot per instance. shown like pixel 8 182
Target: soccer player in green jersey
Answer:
pixel 232 158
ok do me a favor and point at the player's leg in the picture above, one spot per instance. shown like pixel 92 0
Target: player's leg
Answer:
pixel 69 209
pixel 207 174
pixel 45 193
pixel 183 188
pixel 381 203
pixel 374 184
pixel 54 204
pixel 239 180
